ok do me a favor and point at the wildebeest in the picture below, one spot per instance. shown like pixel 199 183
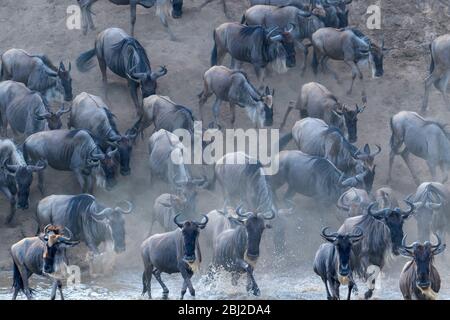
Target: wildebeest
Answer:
pixel 91 113
pixel 348 45
pixel 165 114
pixel 314 177
pixel 420 279
pixel 353 202
pixel 439 69
pixel 383 234
pixel 316 101
pixel 65 150
pixel 44 255
pixel 304 23
pixel 237 249
pixel 88 219
pixel 15 176
pixel 126 57
pixel 432 209
pixel 313 136
pixel 386 198
pixel 173 252
pixel 234 86
pixel 423 138
pixel 332 261
pixel 164 8
pixel 256 45
pixel 25 111
pixel 38 73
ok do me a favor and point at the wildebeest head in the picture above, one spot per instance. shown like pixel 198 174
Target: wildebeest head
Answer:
pixel 343 244
pixel 351 121
pixel 65 81
pixel 254 224
pixel 362 180
pixel 55 242
pixel 114 221
pixel 190 231
pixel 177 8
pixel 23 175
pixel 430 204
pixel 109 166
pixel 266 112
pixel 281 44
pixel 147 80
pixel 422 255
pixel 394 219
pixel 376 57
pixel 53 118
pixel 93 159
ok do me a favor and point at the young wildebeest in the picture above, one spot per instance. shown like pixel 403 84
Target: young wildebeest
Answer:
pixel 423 138
pixel 38 73
pixel 313 136
pixel 332 261
pixel 353 202
pixel 316 101
pixel 237 249
pixel 256 45
pixel 348 45
pixel 44 255
pixel 89 220
pixel 162 11
pixel 383 234
pixel 233 86
pixel 432 209
pixel 91 113
pixel 126 57
pixel 420 279
pixel 66 150
pixel 25 111
pixel 304 23
pixel 439 69
pixel 173 252
pixel 15 176
pixel 314 177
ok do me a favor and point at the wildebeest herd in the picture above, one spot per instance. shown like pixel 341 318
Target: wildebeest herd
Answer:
pixel 326 164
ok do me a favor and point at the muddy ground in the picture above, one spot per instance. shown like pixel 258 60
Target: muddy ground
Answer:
pixel 40 27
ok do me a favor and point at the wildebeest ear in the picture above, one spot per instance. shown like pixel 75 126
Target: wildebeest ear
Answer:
pixel 367 148
pixel 267 91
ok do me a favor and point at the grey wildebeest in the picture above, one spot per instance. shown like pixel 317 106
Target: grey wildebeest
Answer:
pixel 432 209
pixel 353 202
pixel 89 112
pixel 304 23
pixel 236 250
pixel 166 161
pixel 348 45
pixel 234 86
pixel 316 101
pixel 420 279
pixel 44 255
pixel 332 261
pixel 25 111
pixel 38 73
pixel 439 69
pixel 423 138
pixel 314 177
pixel 313 136
pixel 383 234
pixel 88 219
pixel 162 11
pixel 126 57
pixel 65 150
pixel 173 252
pixel 256 45
pixel 15 176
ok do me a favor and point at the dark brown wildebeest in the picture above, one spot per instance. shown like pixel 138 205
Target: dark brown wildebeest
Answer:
pixel 420 279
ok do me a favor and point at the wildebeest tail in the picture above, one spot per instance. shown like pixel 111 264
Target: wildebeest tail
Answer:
pixel 315 61
pixel 243 19
pixel 391 141
pixel 214 51
pixel 84 61
pixel 144 283
pixel 17 278
pixel 432 59
pixel 284 140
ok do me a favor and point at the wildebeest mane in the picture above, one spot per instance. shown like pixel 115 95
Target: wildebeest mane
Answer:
pixel 78 205
pixel 328 177
pixel 334 130
pixel 247 79
pixel 184 110
pixel 132 42
pixel 248 31
pixel 111 119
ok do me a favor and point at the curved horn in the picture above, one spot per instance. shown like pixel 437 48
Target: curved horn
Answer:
pixel 330 236
pixel 405 250
pixel 241 214
pixel 340 204
pixel 11 168
pixel 61 111
pixel 175 219
pixel 41 165
pixel 404 245
pixel 357 234
pixel 112 152
pixel 96 156
pixel 102 214
pixel 439 247
pixel 292 27
pixel 125 211
pixel 272 215
pixel 405 214
pixel 379 213
pixel 46 228
pixel 360 110
pixel 43 116
pixel 376 152
pixel 69 232
pixel 203 223
pixel 161 72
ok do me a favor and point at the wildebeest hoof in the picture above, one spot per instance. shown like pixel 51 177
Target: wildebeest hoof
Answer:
pixel 256 292
pixel 368 294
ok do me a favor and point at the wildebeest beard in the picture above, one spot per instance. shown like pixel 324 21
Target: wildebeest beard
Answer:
pixel 276 55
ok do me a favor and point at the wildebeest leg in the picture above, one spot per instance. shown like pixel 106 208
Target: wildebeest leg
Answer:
pixel 216 110
pixel 134 96
pixel 251 283
pixel 432 78
pixel 41 182
pixel 290 192
pixel 260 73
pixel 157 275
pixel 350 288
pixel 81 181
pixel 235 278
pixel 325 281
pixel 405 156
pixel 90 20
pixel 432 168
pixel 12 203
pixel 147 280
pixel 356 71
pixel 60 289
pixel 442 86
pixel 84 19
pixel 444 168
pixel 133 4
pixel 163 18
pixel 54 286
pixel 327 68
pixel 288 111
pixel 302 47
pixel 334 286
pixel 233 113
pixel 187 283
pixel 25 274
